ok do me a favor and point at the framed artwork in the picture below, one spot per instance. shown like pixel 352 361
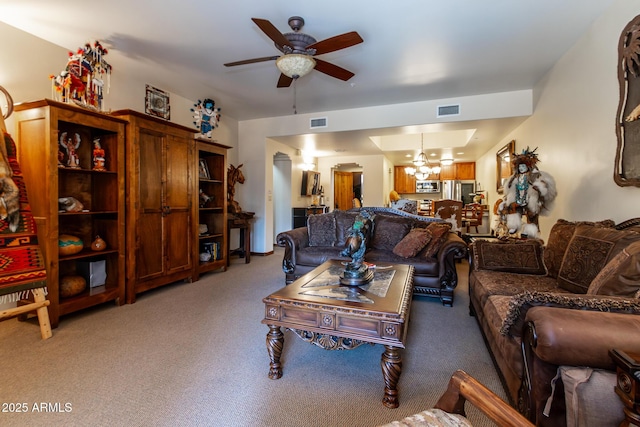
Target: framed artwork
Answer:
pixel 204 169
pixel 157 103
pixel 503 165
pixel 310 183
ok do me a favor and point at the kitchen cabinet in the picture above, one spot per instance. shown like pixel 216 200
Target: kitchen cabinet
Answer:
pixel 211 236
pixel 459 171
pixel 161 217
pixel 403 182
pixel 465 171
pixel 51 172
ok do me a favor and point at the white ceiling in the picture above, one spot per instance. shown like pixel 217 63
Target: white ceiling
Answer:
pixel 413 50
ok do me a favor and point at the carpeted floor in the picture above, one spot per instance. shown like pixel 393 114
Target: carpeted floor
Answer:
pixel 194 354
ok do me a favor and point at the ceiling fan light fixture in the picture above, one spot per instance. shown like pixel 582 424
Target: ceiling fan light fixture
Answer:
pixel 295 65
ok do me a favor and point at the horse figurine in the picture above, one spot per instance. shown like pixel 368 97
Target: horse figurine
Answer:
pixel 234 174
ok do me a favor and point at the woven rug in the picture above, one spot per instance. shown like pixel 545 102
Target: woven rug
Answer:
pixel 22 267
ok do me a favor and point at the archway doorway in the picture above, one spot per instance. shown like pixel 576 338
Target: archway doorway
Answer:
pixel 282 166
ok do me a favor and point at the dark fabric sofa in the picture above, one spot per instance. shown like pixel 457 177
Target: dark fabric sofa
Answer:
pixel 325 237
pixel 551 314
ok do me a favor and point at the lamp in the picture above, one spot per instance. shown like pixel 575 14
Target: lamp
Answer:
pixel 446 162
pixel 295 65
pixel 422 164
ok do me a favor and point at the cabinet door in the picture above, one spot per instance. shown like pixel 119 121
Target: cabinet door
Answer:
pixel 403 182
pixel 448 172
pixel 178 200
pixel 466 170
pixel 150 252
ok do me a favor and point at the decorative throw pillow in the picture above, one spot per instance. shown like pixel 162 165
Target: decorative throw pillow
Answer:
pixel 388 231
pixel 439 232
pixel 322 229
pixel 559 238
pixel 519 304
pixel 621 275
pixel 412 243
pixel 344 224
pixel 589 250
pixel 524 257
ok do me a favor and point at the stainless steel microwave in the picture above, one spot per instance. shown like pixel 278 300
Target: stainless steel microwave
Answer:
pixel 427 186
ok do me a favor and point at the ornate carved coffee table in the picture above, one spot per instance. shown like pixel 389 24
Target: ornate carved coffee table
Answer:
pixel 321 311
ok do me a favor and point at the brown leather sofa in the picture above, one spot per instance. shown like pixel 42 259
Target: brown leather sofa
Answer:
pixel 550 314
pixel 325 237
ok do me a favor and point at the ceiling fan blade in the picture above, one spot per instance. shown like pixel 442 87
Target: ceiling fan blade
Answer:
pixel 333 70
pixel 251 61
pixel 284 81
pixel 336 43
pixel 272 32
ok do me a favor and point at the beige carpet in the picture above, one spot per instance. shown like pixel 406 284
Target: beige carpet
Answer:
pixel 194 354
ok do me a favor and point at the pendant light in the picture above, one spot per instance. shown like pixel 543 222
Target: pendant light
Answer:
pixel 423 167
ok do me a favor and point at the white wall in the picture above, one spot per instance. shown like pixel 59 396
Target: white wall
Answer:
pixel 573 126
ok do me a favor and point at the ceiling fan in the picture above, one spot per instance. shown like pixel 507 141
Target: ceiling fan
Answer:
pixel 300 51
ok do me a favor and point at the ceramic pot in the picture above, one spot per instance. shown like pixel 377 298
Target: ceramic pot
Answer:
pixel 71 286
pixel 98 244
pixel 69 245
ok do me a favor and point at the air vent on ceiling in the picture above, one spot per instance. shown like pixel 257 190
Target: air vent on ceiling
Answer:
pixel 318 123
pixel 448 110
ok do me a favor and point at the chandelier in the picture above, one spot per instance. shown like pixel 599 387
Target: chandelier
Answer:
pixel 422 167
pixel 295 65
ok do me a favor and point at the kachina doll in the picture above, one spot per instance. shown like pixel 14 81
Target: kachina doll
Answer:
pixel 528 193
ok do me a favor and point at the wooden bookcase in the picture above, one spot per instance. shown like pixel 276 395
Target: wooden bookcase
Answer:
pixel 212 206
pixel 160 215
pixel 39 127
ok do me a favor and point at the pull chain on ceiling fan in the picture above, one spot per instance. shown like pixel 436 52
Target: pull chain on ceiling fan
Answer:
pixel 300 52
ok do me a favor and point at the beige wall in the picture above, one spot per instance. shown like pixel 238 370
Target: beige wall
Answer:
pixel 573 126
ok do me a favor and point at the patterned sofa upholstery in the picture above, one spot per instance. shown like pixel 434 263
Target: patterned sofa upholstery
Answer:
pixel 325 237
pixel 551 313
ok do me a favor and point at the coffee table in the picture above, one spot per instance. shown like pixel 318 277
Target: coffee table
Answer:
pixel 321 311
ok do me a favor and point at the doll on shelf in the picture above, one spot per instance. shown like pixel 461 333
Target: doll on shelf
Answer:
pixel 98 156
pixel 71 147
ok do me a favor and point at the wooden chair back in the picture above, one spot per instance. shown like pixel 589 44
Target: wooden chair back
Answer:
pixel 472 215
pixel 449 210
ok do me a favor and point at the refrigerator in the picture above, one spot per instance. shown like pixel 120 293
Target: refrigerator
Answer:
pixel 459 190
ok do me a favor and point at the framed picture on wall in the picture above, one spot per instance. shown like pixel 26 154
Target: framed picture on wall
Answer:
pixel 156 103
pixel 310 183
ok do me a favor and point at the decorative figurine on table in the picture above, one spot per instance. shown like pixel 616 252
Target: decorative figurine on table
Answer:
pixel 234 174
pixel 71 146
pixel 357 272
pixel 529 192
pixel 206 116
pixel 98 156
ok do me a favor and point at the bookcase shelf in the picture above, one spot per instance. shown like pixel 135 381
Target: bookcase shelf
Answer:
pixel 212 205
pixel 40 127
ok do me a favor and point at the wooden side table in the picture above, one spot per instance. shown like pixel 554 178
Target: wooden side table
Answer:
pixel 628 385
pixel 241 221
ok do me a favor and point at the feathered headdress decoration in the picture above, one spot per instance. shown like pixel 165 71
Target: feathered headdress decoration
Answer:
pixel 528 157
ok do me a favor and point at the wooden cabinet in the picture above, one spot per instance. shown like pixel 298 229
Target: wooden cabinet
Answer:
pixel 465 171
pixel 40 126
pixel 403 182
pixel 448 172
pixel 459 171
pixel 160 202
pixel 211 233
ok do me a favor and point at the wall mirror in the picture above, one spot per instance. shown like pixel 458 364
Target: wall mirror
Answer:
pixel 503 165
